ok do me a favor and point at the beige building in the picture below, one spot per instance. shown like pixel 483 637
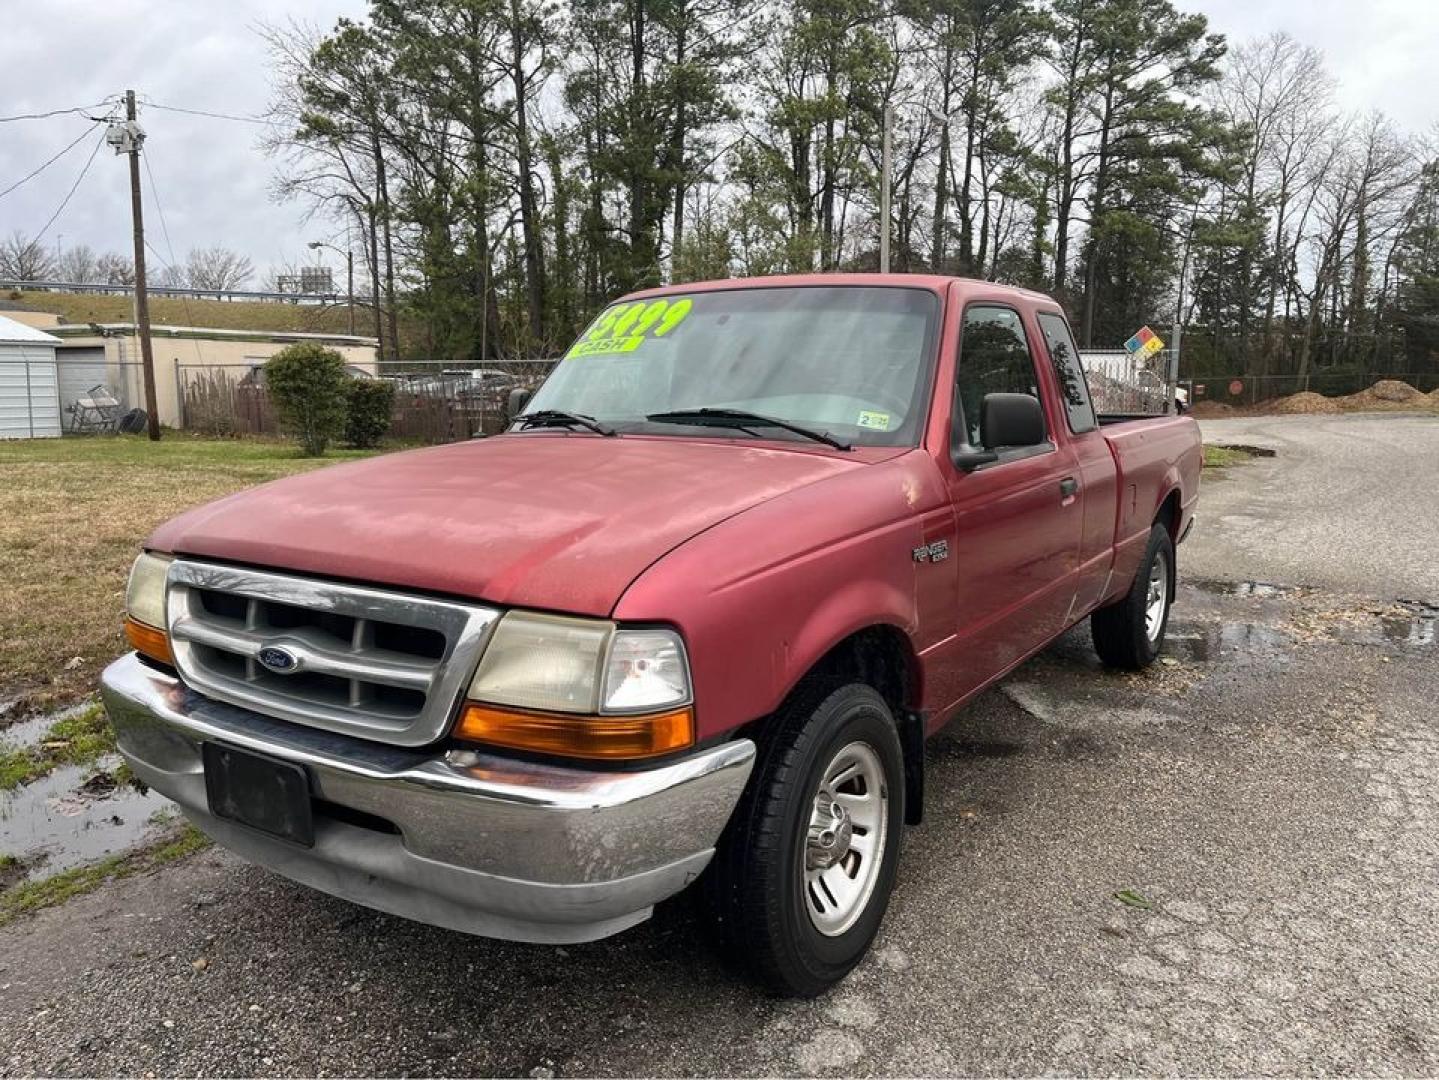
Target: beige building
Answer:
pixel 108 354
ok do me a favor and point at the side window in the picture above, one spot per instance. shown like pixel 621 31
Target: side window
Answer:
pixel 1069 372
pixel 994 358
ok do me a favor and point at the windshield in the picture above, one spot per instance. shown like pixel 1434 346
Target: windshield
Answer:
pixel 848 360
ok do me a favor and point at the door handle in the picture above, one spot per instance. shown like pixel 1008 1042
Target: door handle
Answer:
pixel 1068 487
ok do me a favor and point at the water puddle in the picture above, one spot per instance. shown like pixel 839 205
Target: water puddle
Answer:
pixel 75 814
pixel 1241 588
pixel 1205 642
pixel 1406 626
pixel 29 732
pixel 1416 631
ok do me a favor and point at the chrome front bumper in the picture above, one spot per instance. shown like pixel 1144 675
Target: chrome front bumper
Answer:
pixel 485 844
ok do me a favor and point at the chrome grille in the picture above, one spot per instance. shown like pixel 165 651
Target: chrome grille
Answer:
pixel 363 661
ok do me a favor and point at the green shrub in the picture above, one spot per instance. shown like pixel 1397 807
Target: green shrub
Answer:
pixel 307 384
pixel 370 401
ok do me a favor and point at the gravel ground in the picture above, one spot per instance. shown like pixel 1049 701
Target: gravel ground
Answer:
pixel 1269 794
pixel 1349 502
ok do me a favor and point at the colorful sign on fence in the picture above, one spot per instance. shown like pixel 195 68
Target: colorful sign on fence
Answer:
pixel 1144 343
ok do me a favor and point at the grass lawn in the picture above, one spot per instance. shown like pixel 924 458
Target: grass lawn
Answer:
pixel 73 512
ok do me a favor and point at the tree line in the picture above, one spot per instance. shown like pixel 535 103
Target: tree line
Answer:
pixel 211 268
pixel 505 167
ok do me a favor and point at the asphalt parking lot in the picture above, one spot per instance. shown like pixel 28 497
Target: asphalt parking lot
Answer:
pixel 1266 799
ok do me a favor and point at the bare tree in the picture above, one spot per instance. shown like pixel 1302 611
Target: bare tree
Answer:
pixel 170 277
pixel 1374 171
pixel 114 269
pixel 24 259
pixel 78 265
pixel 218 268
pixel 1279 93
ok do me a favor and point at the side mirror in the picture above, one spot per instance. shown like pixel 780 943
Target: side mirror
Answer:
pixel 1010 420
pixel 519 398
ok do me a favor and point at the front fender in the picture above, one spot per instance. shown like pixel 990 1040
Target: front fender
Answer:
pixel 763 597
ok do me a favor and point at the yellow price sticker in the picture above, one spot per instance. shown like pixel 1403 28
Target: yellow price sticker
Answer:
pixel 605 346
pixel 625 327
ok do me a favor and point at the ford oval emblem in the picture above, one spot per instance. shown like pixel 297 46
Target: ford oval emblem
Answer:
pixel 278 659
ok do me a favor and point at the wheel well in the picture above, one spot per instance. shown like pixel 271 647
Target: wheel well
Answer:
pixel 881 657
pixel 1168 515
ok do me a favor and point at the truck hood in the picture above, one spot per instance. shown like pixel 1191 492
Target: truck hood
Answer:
pixel 556 521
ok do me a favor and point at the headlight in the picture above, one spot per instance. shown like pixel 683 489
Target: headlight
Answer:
pixel 145 607
pixel 543 662
pixel 145 594
pixel 561 664
pixel 580 687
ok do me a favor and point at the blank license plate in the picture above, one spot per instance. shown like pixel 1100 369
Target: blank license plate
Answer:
pixel 262 792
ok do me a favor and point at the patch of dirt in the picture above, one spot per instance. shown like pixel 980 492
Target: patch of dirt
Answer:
pixel 1305 402
pixel 12 869
pixel 1249 448
pixel 1211 409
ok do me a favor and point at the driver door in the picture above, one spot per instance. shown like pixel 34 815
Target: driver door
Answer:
pixel 1018 524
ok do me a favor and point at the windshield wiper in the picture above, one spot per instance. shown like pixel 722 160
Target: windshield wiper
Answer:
pixel 740 418
pixel 560 418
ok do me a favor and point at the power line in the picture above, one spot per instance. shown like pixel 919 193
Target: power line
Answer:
pixel 212 115
pixel 66 201
pixel 82 109
pixel 164 228
pixel 165 231
pixel 57 157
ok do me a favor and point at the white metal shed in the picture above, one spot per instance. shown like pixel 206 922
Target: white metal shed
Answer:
pixel 29 382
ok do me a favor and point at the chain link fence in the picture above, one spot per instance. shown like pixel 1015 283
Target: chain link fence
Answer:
pixel 1124 383
pixel 434 403
pixel 1247 391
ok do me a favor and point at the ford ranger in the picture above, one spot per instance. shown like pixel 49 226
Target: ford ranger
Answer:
pixel 691 618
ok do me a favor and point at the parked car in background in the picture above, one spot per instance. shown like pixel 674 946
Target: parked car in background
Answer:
pixel 690 619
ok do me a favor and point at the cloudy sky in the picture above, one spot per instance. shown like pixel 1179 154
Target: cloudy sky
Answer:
pixel 213 183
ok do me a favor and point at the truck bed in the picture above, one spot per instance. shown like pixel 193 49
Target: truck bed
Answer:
pixel 1152 454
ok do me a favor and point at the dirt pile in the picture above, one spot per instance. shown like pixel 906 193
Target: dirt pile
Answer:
pixel 1394 390
pixel 1306 402
pixel 1387 395
pixel 1212 409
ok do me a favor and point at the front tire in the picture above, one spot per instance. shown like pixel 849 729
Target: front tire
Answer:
pixel 804 871
pixel 1129 633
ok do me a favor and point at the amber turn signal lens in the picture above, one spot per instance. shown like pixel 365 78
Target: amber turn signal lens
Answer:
pixel 146 639
pixel 610 737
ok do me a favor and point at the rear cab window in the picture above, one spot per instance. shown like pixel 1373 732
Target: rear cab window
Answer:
pixel 1068 372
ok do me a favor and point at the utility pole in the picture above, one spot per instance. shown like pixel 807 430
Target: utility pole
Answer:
pixel 1178 334
pixel 127 139
pixel 884 196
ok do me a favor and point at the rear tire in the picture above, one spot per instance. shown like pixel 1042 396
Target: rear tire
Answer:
pixel 1129 633
pixel 804 870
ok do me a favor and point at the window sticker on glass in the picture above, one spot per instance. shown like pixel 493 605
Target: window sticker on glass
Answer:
pixel 877 421
pixel 625 327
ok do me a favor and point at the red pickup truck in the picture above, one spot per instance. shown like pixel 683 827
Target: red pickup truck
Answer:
pixel 690 618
